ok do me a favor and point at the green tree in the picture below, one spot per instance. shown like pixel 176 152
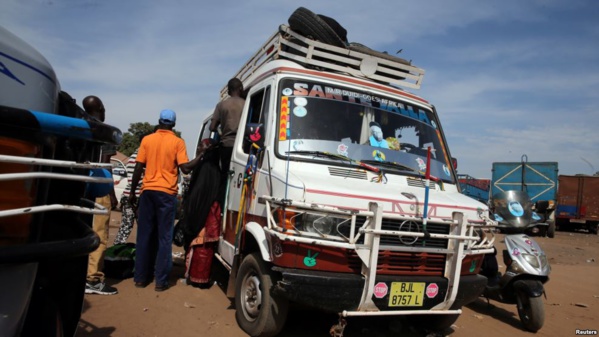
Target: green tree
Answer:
pixel 132 138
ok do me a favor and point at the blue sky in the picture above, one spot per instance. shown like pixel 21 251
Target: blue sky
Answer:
pixel 507 78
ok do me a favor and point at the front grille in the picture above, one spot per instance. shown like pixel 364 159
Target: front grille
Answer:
pixel 402 263
pixel 408 241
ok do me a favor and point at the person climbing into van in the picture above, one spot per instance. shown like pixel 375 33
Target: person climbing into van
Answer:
pixel 162 154
pixel 202 219
pixel 227 114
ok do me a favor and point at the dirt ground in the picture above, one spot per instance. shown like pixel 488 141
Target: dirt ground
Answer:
pixel 571 304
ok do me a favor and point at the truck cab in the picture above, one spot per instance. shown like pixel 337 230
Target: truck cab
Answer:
pixel 50 177
pixel 342 194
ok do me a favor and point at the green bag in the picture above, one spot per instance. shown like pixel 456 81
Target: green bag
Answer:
pixel 119 261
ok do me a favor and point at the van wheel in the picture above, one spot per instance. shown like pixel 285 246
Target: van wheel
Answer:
pixel 259 312
pixel 551 229
pixel 593 228
pixel 310 25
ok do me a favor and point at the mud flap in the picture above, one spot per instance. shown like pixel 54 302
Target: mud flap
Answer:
pixel 532 288
pixel 232 276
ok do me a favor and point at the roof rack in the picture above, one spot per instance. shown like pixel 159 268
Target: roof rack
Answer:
pixel 355 60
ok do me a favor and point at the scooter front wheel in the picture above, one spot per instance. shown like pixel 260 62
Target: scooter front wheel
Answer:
pixel 531 311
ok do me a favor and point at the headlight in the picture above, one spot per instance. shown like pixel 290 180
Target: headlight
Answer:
pixel 498 217
pixel 532 260
pixel 535 216
pixel 318 224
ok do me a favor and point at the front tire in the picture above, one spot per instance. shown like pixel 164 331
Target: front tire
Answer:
pixel 551 229
pixel 259 312
pixel 593 228
pixel 531 311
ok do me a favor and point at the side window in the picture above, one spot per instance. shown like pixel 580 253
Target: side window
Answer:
pixel 258 111
pixel 204 132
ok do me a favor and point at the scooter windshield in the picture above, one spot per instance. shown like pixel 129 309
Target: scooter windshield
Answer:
pixel 513 209
pixel 318 118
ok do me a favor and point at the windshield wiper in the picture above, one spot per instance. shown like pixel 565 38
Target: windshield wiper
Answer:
pixel 336 157
pixel 389 164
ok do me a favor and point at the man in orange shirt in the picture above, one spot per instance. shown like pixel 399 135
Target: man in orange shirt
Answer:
pixel 162 154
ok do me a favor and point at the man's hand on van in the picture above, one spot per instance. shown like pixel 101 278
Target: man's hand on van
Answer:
pixel 203 147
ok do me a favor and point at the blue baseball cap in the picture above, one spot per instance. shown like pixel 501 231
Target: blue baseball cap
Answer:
pixel 167 117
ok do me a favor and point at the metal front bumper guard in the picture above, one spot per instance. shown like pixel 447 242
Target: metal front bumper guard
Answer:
pixel 462 241
pixel 86 240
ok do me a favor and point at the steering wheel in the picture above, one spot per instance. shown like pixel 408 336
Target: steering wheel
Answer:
pixel 408 147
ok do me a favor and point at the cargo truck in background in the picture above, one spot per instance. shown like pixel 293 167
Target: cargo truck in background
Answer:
pixel 474 187
pixel 578 203
pixel 323 212
pixel 538 179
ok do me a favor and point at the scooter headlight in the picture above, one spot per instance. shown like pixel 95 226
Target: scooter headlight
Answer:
pixel 544 262
pixel 532 260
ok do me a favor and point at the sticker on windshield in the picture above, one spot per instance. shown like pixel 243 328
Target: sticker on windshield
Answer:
pixel 300 111
pixel 446 170
pixel 515 208
pixel 342 149
pixel 284 120
pixel 421 164
pixel 287 91
pixel 297 145
pixel 378 155
pixel 300 101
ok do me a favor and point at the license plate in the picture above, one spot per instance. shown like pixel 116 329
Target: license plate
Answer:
pixel 406 294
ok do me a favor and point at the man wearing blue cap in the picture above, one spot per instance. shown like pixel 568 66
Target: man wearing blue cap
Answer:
pixel 162 154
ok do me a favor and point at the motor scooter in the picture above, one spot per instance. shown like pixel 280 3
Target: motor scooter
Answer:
pixel 527 267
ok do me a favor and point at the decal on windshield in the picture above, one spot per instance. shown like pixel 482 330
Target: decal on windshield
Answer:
pixel 515 208
pixel 284 121
pixel 342 149
pixel 446 170
pixel 319 91
pixel 421 164
pixel 378 155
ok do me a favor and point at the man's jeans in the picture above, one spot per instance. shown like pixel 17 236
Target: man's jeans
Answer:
pixel 155 221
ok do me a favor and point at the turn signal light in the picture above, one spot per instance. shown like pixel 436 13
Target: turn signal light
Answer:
pixel 15 194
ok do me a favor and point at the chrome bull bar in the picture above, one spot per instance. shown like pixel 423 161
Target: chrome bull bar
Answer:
pixel 464 239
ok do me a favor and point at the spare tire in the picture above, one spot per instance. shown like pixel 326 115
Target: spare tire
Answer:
pixel 310 25
pixel 336 26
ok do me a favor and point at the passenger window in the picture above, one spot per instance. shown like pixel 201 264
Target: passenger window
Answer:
pixel 258 112
pixel 204 133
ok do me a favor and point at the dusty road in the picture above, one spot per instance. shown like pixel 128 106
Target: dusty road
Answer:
pixel 182 311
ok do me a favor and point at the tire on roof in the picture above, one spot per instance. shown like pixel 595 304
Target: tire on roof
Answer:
pixel 310 25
